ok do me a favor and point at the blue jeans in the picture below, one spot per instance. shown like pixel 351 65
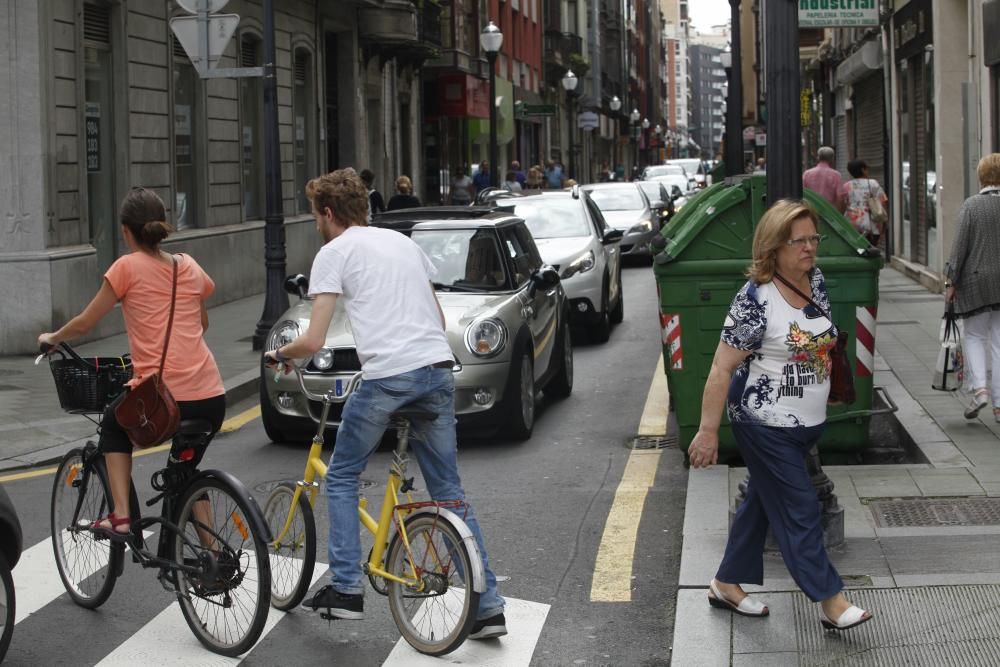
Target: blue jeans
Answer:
pixel 365 418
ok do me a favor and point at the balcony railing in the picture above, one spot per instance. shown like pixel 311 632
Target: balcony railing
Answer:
pixel 560 45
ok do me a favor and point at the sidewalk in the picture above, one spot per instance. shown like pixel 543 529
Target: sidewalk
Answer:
pixel 929 570
pixel 35 430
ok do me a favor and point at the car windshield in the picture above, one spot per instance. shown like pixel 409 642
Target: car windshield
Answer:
pixel 552 218
pixel 653 190
pixel 617 199
pixel 467 260
pixel 691 166
pixel 663 170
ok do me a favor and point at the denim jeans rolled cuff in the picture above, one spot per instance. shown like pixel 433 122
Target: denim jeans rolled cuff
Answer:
pixel 781 496
pixel 364 420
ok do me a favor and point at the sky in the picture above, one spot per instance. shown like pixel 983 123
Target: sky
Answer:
pixel 706 13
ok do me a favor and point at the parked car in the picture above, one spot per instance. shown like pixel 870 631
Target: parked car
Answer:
pixel 573 236
pixel 626 207
pixel 11 542
pixel 696 168
pixel 507 321
pixel 661 191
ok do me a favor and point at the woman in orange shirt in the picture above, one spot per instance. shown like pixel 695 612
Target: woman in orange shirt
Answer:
pixel 142 281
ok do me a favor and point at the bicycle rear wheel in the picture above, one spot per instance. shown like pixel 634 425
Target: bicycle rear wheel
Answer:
pixel 437 620
pixel 226 602
pixel 88 564
pixel 293 557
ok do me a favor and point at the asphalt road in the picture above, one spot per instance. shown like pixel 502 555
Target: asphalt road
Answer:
pixel 543 505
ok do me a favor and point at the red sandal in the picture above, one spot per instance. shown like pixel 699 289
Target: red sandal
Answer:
pixel 111 526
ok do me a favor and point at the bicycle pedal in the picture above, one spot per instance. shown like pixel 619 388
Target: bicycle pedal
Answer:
pixel 407 485
pixel 327 616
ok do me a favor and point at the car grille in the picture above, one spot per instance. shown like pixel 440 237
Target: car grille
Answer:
pixel 344 360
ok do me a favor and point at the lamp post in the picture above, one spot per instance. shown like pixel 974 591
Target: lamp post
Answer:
pixel 491 39
pixel 569 83
pixel 616 105
pixel 645 139
pixel 275 297
pixel 734 108
pixel 634 135
pixel 659 140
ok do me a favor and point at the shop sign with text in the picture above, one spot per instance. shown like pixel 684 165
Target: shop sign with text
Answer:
pixel 837 13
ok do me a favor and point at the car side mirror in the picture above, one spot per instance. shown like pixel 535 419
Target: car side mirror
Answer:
pixel 613 236
pixel 544 278
pixel 297 284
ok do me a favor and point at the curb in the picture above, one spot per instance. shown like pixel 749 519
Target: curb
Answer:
pixel 237 388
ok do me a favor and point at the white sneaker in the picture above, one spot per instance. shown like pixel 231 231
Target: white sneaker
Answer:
pixel 979 401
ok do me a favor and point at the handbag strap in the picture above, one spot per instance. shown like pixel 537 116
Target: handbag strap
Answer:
pixel 799 292
pixel 170 320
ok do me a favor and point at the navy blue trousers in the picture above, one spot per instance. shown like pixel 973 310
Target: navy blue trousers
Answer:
pixel 780 494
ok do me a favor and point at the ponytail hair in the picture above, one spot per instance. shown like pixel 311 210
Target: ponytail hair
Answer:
pixel 142 211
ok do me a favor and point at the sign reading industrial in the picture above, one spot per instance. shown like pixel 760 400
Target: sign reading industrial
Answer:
pixel 837 13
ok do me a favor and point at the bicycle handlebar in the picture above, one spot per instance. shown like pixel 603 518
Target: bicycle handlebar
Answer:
pixel 332 395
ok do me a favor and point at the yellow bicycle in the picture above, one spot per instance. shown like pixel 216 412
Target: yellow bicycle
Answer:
pixel 424 558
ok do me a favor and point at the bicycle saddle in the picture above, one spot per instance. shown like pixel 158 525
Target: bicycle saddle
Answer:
pixel 194 427
pixel 414 414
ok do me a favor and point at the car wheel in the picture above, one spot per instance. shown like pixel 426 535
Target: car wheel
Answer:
pixel 618 312
pixel 561 385
pixel 278 427
pixel 521 397
pixel 601 331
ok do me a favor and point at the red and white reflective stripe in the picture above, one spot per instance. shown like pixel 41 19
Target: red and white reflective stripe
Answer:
pixel 670 323
pixel 864 349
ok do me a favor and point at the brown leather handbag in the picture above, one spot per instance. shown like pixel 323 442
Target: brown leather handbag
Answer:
pixel 148 412
pixel 842 390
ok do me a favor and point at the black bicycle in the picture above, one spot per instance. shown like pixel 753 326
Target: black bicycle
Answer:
pixel 212 546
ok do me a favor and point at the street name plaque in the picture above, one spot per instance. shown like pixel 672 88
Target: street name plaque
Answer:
pixel 837 13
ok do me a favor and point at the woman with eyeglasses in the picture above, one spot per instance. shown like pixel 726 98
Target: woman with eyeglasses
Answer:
pixel 771 370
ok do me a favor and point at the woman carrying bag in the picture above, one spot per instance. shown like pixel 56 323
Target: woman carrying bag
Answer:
pixel 153 285
pixel 773 369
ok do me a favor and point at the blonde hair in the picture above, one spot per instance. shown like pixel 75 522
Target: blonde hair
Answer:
pixel 404 185
pixel 342 192
pixel 989 170
pixel 773 230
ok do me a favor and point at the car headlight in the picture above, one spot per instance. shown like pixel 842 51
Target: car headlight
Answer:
pixel 323 360
pixel 282 334
pixel 641 228
pixel 581 264
pixel 486 338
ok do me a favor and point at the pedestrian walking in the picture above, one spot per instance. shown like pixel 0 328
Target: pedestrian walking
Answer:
pixel 519 174
pixel 973 285
pixel 482 178
pixel 384 279
pixel 864 202
pixel 461 188
pixel 375 202
pixel 536 179
pixel 158 292
pixel 772 369
pixel 823 178
pixel 404 197
pixel 510 182
pixel 553 175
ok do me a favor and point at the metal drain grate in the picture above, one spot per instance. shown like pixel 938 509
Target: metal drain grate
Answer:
pixel 652 442
pixel 936 512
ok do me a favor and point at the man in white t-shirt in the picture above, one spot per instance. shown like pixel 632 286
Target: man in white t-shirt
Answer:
pixel 385 281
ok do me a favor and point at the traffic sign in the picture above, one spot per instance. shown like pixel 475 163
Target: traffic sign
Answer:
pixel 212 5
pixel 538 109
pixel 220 29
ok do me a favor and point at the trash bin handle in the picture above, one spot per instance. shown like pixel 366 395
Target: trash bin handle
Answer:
pixel 855 414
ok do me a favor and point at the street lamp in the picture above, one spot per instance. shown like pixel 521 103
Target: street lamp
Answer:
pixel 659 140
pixel 645 138
pixel 569 83
pixel 491 39
pixel 616 105
pixel 634 132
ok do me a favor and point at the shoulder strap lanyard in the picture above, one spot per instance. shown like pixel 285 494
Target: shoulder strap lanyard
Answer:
pixel 170 320
pixel 799 292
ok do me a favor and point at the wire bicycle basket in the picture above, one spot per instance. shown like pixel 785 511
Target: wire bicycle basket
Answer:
pixel 88 385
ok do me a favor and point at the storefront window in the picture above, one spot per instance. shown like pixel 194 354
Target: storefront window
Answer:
pixel 187 139
pixel 98 130
pixel 251 138
pixel 906 158
pixel 930 166
pixel 305 135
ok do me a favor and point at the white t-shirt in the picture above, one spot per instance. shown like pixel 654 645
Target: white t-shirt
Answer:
pixel 783 382
pixel 384 279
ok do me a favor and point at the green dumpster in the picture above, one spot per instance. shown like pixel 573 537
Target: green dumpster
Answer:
pixel 701 267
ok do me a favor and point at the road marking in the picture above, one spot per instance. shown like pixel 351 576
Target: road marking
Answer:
pixel 228 426
pixel 37 580
pixel 167 640
pixel 612 580
pixel 524 625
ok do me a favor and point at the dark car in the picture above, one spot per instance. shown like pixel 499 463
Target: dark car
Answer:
pixel 10 553
pixel 626 207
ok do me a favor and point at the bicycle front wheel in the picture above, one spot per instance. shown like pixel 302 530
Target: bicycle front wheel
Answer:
pixel 437 619
pixel 7 606
pixel 225 601
pixel 88 564
pixel 292 554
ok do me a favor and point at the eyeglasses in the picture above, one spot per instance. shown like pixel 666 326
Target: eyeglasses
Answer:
pixel 806 240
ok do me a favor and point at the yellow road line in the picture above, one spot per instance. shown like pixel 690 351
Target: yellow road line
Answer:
pixel 231 424
pixel 612 581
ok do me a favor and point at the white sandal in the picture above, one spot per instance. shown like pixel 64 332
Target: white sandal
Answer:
pixel 852 617
pixel 747 606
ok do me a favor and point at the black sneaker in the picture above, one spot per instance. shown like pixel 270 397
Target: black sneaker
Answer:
pixel 337 604
pixel 489 628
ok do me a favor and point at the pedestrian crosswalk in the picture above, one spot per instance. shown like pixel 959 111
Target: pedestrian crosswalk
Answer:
pixel 165 639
